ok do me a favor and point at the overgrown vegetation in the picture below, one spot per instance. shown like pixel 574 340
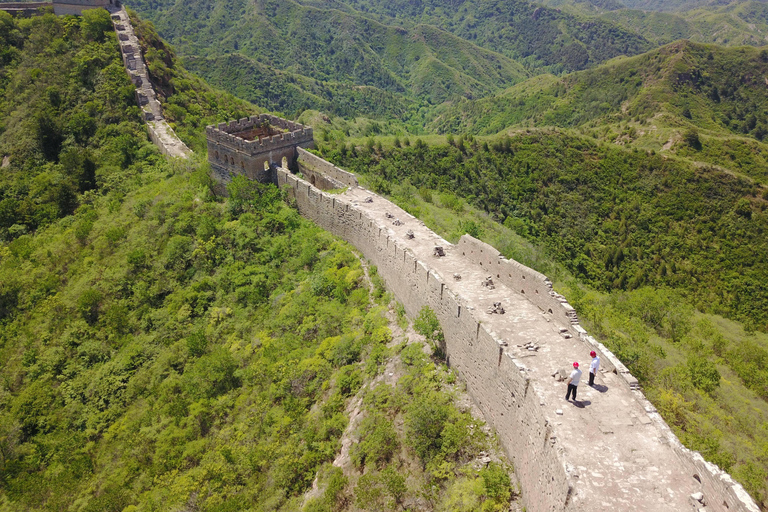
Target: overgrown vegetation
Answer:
pixel 416 416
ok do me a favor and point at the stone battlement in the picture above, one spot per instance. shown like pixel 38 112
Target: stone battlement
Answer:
pixel 611 451
pixel 250 147
pixel 226 134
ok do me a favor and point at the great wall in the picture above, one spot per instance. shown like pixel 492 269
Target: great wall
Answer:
pixel 612 451
pixel 507 333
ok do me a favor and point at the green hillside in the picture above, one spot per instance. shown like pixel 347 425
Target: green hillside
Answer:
pixel 667 5
pixel 64 137
pixel 541 37
pixel 290 93
pixel 738 23
pixel 701 102
pixel 424 53
pixel 165 349
pixel 333 46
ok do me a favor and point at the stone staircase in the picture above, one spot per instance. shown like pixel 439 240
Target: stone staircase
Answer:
pixel 159 130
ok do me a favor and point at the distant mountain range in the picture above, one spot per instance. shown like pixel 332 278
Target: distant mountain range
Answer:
pixel 646 101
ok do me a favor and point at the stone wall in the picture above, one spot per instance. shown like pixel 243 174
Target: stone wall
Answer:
pixel 494 379
pixel 78 6
pixel 163 136
pixel 25 9
pixel 160 132
pixel 317 170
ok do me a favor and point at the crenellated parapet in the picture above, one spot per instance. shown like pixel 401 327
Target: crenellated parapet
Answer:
pixel 611 450
pixel 252 146
pixel 229 134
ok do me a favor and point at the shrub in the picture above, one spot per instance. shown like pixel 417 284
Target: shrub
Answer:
pixel 498 487
pixel 704 374
pixel 691 138
pixel 428 325
pixel 88 305
pixel 378 442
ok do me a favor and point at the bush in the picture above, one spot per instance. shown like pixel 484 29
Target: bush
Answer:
pixel 428 325
pixel 378 442
pixel 426 419
pixel 88 305
pixel 498 487
pixel 95 23
pixel 704 374
pixel 691 138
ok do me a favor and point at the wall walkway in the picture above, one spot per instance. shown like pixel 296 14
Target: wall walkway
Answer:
pixel 610 450
pixel 160 132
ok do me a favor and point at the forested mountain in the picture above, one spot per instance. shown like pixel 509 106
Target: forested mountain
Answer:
pixel 330 45
pixel 165 349
pixel 733 24
pixel 429 50
pixel 701 102
pixel 162 347
pixel 671 5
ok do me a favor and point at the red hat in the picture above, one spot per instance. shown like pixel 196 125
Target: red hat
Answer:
pixel 593 353
pixel 575 365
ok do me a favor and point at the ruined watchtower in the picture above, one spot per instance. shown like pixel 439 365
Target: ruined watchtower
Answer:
pixel 61 7
pixel 245 146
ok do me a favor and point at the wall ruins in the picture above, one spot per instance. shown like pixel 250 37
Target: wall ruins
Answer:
pixel 160 132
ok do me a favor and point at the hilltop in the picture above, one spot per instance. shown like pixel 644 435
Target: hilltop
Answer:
pixel 700 102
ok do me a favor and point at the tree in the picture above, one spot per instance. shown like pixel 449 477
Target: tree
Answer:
pixel 95 24
pixel 691 138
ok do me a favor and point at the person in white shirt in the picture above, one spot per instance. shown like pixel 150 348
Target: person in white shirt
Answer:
pixel 573 382
pixel 593 367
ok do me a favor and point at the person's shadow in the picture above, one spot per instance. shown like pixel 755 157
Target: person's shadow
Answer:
pixel 600 388
pixel 581 403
